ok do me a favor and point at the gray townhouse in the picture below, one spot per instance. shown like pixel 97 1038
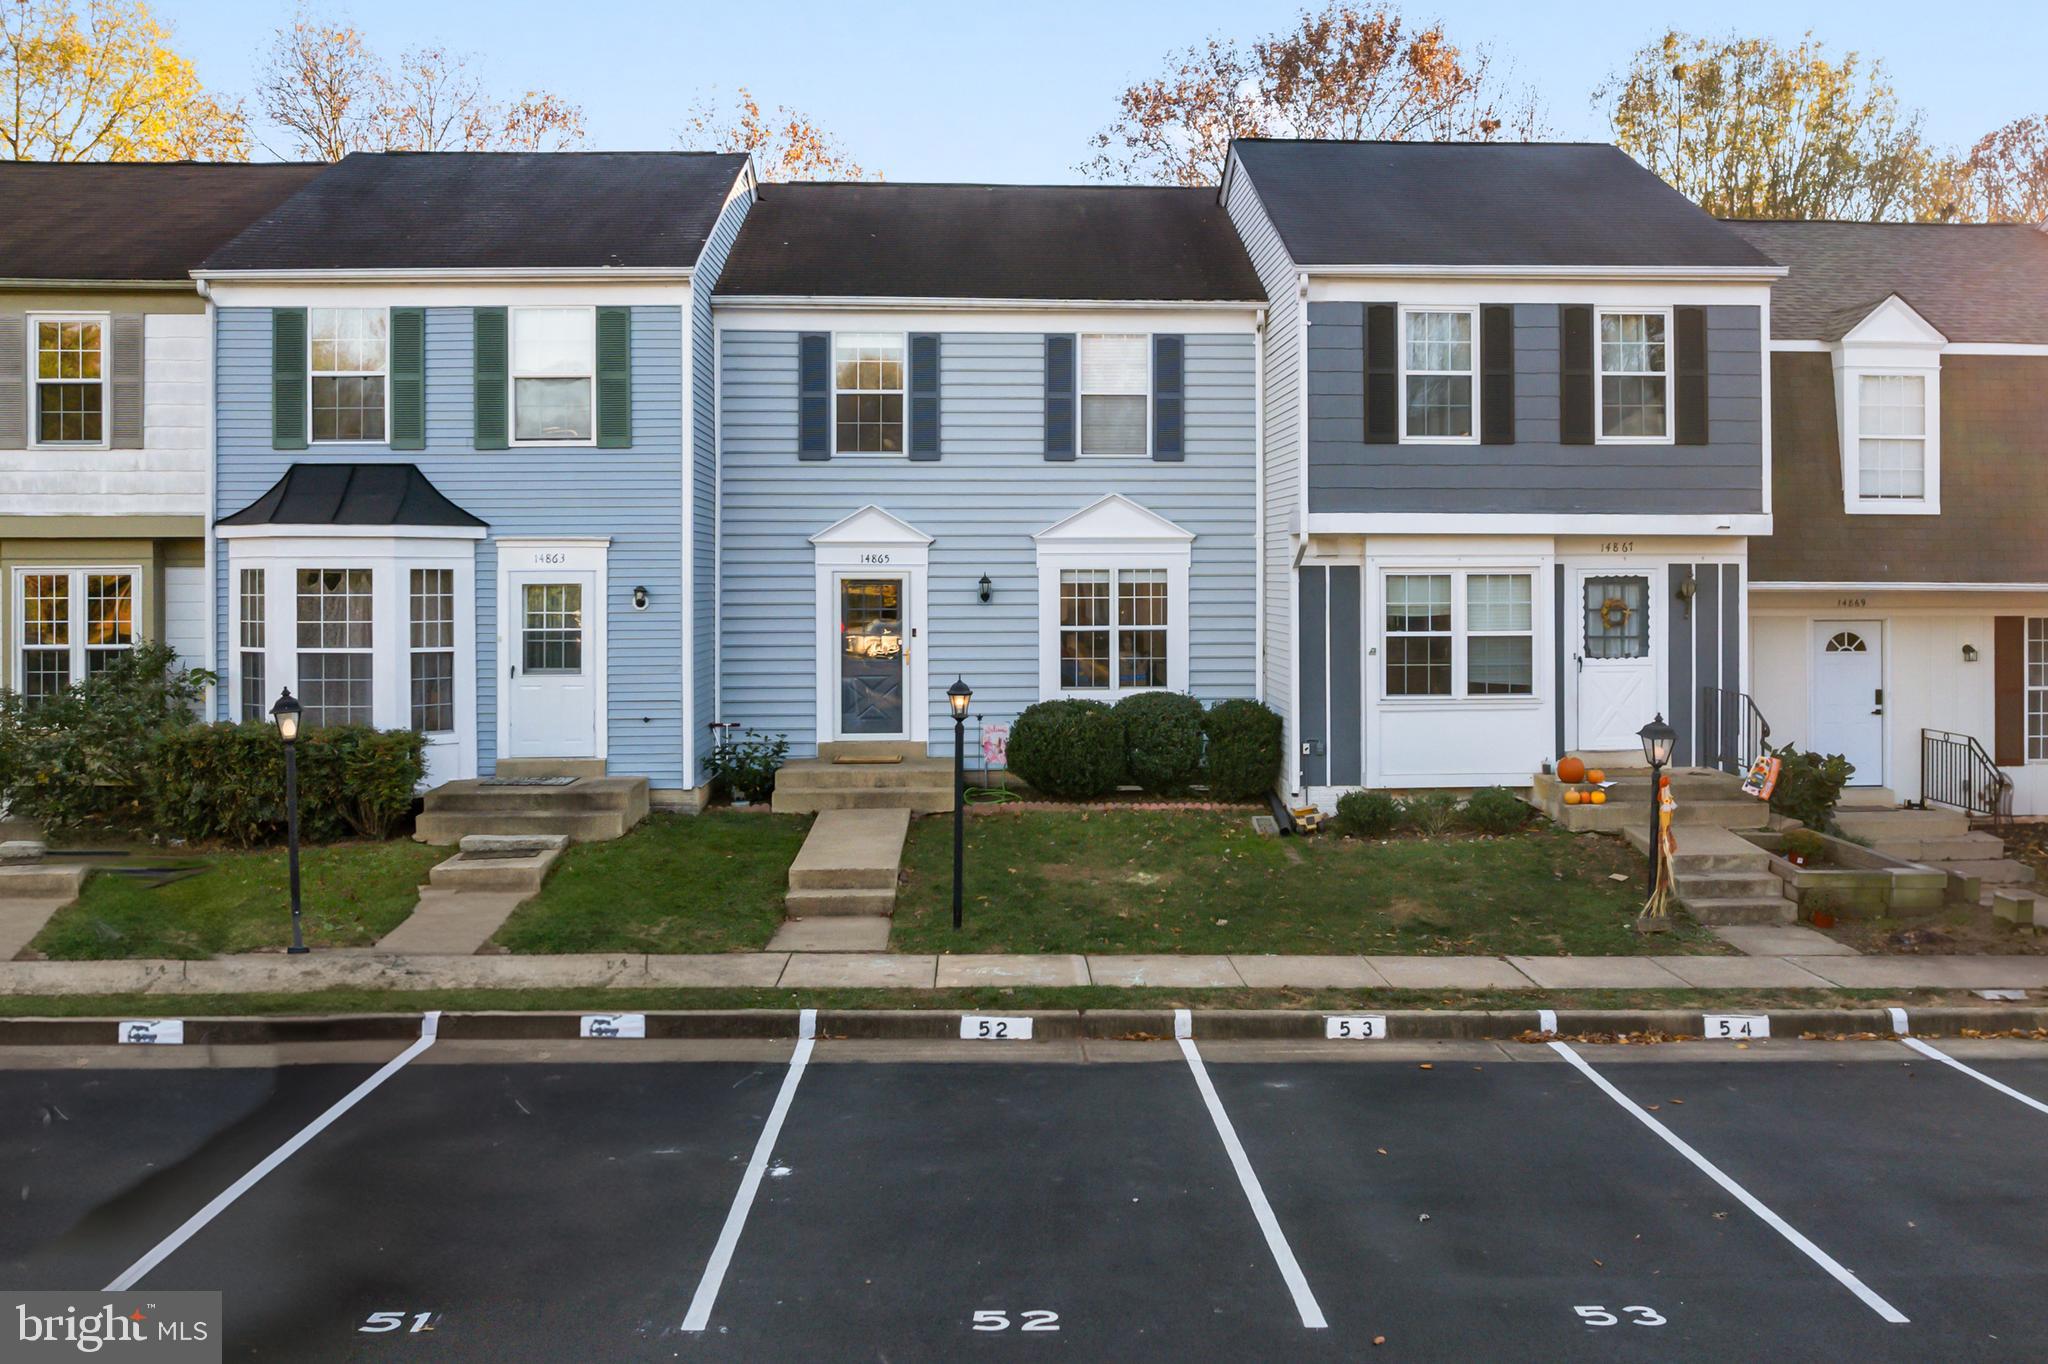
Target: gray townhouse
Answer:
pixel 1514 453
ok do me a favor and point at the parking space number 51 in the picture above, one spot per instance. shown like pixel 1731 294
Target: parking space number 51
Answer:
pixel 377 1323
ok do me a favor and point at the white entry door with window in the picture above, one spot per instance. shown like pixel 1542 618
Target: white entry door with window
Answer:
pixel 873 656
pixel 552 648
pixel 1615 660
pixel 1848 695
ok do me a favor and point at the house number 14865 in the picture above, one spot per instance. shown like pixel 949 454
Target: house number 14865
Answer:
pixel 874 558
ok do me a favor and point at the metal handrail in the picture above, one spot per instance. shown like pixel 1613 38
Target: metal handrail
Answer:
pixel 1733 731
pixel 1956 771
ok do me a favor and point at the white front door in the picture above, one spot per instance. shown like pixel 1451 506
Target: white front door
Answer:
pixel 1848 695
pixel 1615 660
pixel 551 696
pixel 873 657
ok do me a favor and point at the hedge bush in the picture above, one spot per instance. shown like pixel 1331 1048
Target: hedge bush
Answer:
pixel 1069 748
pixel 1366 814
pixel 1243 760
pixel 1431 813
pixel 1162 740
pixel 226 781
pixel 1495 810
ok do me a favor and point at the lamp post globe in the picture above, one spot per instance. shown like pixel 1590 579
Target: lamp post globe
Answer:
pixel 286 715
pixel 959 696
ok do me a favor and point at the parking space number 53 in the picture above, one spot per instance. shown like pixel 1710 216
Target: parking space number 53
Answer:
pixel 1637 1316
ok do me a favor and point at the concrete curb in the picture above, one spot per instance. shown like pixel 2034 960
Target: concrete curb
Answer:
pixel 1048 1025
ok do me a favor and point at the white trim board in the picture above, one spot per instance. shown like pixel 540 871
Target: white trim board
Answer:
pixel 873 543
pixel 579 554
pixel 1536 523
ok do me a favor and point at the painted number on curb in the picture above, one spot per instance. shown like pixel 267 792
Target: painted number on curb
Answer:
pixel 1741 1027
pixel 1026 1321
pixel 1355 1027
pixel 379 1323
pixel 994 1028
pixel 152 1032
pixel 613 1025
pixel 1637 1316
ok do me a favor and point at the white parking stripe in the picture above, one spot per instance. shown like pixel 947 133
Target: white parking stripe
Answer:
pixel 699 1314
pixel 1917 1045
pixel 430 1025
pixel 1276 1240
pixel 1748 1200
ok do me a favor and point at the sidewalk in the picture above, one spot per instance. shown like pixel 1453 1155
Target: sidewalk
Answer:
pixel 357 969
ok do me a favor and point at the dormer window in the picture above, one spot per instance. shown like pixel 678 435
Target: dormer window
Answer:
pixel 1891 437
pixel 1888 407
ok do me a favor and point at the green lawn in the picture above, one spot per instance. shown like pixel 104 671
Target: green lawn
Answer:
pixel 1142 881
pixel 712 882
pixel 239 901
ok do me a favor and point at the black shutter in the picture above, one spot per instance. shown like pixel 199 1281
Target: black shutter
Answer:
pixel 814 396
pixel 1382 374
pixel 1059 397
pixel 924 396
pixel 1497 374
pixel 1576 413
pixel 1691 402
pixel 1168 409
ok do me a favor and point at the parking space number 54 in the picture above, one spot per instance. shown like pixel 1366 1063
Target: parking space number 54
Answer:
pixel 1026 1321
pixel 1637 1316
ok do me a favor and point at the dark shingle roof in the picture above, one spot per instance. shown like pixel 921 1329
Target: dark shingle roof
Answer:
pixel 494 210
pixel 352 495
pixel 130 220
pixel 1481 204
pixel 1971 282
pixel 1111 243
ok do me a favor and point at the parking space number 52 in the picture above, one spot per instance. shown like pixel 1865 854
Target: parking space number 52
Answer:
pixel 1026 1321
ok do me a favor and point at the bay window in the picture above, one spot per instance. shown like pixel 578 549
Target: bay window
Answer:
pixel 255 698
pixel 1635 377
pixel 1439 375
pixel 432 599
pixel 1458 633
pixel 336 664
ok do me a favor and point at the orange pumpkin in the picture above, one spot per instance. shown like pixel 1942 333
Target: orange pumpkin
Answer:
pixel 1571 770
pixel 1572 796
pixel 1597 797
pixel 1596 776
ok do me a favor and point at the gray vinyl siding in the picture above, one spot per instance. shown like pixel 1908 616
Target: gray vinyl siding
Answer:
pixel 1279 500
pixel 1537 473
pixel 703 632
pixel 633 496
pixel 982 501
pixel 1332 675
pixel 1705 650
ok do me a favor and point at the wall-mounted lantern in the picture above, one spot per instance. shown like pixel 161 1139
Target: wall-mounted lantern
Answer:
pixel 987 588
pixel 639 599
pixel 1969 653
pixel 1688 588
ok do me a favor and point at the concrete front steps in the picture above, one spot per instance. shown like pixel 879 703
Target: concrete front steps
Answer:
pixel 1705 797
pixel 468 897
pixel 842 886
pixel 1975 862
pixel 31 890
pixel 591 809
pixel 1722 878
pixel 865 776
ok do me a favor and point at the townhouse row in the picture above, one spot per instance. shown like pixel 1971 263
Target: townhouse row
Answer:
pixel 1458 456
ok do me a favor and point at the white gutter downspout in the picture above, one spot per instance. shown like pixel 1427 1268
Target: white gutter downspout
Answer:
pixel 1294 784
pixel 688 606
pixel 214 642
pixel 1259 508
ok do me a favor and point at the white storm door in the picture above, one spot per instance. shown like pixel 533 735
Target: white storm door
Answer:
pixel 1848 695
pixel 873 662
pixel 551 681
pixel 1617 665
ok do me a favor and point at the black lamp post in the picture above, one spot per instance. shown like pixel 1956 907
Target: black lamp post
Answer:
pixel 959 695
pixel 1658 741
pixel 286 714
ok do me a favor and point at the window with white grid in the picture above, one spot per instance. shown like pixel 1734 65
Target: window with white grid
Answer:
pixel 1500 634
pixel 1635 377
pixel 1116 386
pixel 336 668
pixel 1418 634
pixel 1439 375
pixel 109 619
pixel 433 650
pixel 44 663
pixel 349 350
pixel 867 382
pixel 70 380
pixel 1891 436
pixel 70 624
pixel 255 702
pixel 1113 629
pixel 2037 689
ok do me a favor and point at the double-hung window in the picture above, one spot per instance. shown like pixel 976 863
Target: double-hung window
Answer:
pixel 433 650
pixel 2037 689
pixel 867 380
pixel 1891 437
pixel 250 637
pixel 1635 377
pixel 1116 389
pixel 70 380
pixel 1439 375
pixel 1113 629
pixel 72 624
pixel 1463 633
pixel 349 363
pixel 554 368
pixel 335 624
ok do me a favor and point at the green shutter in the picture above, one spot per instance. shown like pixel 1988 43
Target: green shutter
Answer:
pixel 288 378
pixel 408 378
pixel 491 392
pixel 614 378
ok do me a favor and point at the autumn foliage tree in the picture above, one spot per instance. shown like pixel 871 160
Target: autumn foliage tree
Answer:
pixel 2008 173
pixel 1350 70
pixel 787 145
pixel 105 85
pixel 325 86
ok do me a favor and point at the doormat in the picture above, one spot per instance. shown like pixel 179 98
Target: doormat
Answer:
pixel 867 760
pixel 529 781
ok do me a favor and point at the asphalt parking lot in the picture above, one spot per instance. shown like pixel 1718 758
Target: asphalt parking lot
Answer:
pixel 1089 1200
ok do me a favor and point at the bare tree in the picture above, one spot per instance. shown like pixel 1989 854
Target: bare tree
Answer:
pixel 2008 172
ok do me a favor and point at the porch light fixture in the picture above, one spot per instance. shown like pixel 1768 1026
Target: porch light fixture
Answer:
pixel 1969 653
pixel 286 714
pixel 959 696
pixel 1658 741
pixel 639 599
pixel 1688 588
pixel 986 588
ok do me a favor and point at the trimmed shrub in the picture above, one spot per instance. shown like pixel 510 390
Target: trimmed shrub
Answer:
pixel 1162 740
pixel 1809 786
pixel 1068 748
pixel 81 758
pixel 1432 813
pixel 1495 810
pixel 746 766
pixel 226 782
pixel 1243 761
pixel 1366 814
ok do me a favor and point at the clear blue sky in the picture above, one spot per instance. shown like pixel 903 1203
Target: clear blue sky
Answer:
pixel 977 91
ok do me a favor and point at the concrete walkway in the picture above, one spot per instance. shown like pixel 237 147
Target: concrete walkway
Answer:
pixel 361 969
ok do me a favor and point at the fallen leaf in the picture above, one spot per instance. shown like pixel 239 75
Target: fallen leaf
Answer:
pixel 1678 1101
pixel 1379 1340
pixel 1425 1066
pixel 1383 1150
pixel 1599 1264
pixel 1423 1217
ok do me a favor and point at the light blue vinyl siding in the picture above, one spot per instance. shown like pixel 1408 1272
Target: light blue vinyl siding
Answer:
pixel 633 496
pixel 990 491
pixel 703 635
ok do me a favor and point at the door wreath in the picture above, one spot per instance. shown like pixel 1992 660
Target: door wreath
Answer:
pixel 1614 613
